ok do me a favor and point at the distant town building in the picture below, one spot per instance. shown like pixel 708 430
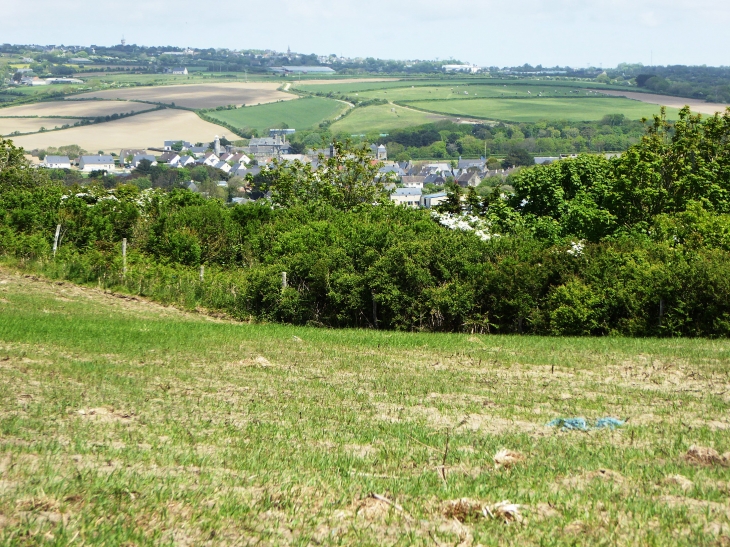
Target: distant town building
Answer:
pixel 472 69
pixel 410 197
pixel 302 70
pixel 136 160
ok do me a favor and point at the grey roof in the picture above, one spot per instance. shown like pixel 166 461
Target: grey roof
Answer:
pixel 434 179
pixel 57 159
pixel 465 164
pixel 407 192
pixel 436 195
pixel 97 160
pixel 392 169
pixel 140 157
pixel 540 160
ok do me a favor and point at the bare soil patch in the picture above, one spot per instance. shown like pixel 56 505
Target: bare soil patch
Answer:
pixel 200 95
pixel 141 131
pixel 696 105
pixel 76 109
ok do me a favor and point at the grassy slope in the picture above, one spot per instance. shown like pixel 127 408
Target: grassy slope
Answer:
pixel 122 422
pixel 457 91
pixel 380 118
pixel 298 114
pixel 531 110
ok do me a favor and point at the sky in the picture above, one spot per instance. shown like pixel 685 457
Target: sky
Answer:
pixel 576 33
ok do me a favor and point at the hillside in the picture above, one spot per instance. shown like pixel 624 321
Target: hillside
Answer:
pixel 126 422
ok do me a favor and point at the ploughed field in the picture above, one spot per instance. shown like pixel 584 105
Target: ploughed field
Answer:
pixel 125 422
pixel 208 95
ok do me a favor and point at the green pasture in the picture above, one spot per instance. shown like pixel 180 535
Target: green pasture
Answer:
pixel 381 119
pixel 464 91
pixel 532 110
pixel 128 423
pixel 298 114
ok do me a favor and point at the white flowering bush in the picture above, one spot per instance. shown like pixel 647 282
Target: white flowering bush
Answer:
pixel 576 248
pixel 465 223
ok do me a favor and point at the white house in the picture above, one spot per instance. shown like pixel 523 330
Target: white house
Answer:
pixel 432 200
pixel 183 161
pixel 180 71
pixel 57 162
pixel 410 197
pixel 96 163
pixel 413 181
pixel 223 166
pixel 136 160
pixel 210 159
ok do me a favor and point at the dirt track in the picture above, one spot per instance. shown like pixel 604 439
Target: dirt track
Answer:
pixel 696 105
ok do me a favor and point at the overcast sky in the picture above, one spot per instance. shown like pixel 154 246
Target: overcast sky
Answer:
pixel 577 33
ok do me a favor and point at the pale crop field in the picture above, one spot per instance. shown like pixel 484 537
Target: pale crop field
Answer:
pixel 209 95
pixel 123 422
pixel 30 125
pixel 75 109
pixel 697 106
pixel 141 131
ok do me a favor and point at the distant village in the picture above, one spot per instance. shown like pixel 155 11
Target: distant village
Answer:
pixel 407 180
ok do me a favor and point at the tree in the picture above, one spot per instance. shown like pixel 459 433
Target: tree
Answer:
pixel 345 180
pixel 453 200
pixel 144 168
pixel 518 157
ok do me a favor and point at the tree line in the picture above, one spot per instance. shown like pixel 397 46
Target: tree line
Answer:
pixel 637 245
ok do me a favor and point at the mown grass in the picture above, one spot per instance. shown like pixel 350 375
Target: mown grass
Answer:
pixel 535 109
pixel 298 114
pixel 381 118
pixel 127 423
pixel 462 90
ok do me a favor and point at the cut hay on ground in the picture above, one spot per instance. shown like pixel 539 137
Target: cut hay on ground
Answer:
pixel 76 109
pixel 141 131
pixel 30 125
pixel 696 105
pixel 200 95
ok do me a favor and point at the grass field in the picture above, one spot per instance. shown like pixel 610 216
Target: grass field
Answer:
pixel 381 118
pixel 298 114
pixel 127 423
pixel 532 110
pixel 461 91
pixel 141 131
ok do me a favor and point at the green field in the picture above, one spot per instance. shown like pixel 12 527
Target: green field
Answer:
pixel 462 91
pixel 532 110
pixel 381 119
pixel 127 423
pixel 298 114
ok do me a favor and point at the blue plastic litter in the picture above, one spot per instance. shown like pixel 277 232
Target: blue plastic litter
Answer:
pixel 567 424
pixel 610 423
pixel 580 424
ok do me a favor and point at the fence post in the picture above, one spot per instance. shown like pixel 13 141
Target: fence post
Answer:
pixel 124 257
pixel 55 239
pixel 202 272
pixel 284 284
